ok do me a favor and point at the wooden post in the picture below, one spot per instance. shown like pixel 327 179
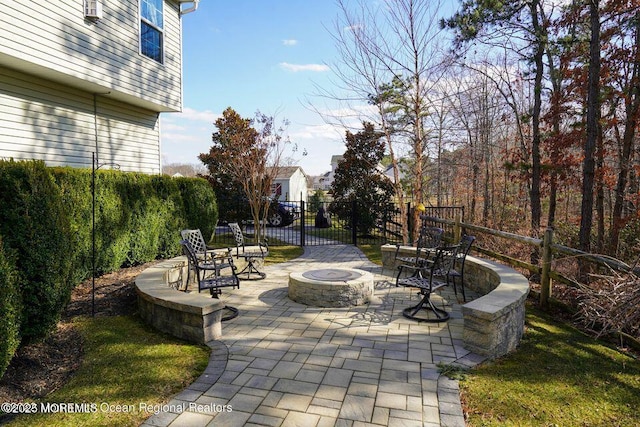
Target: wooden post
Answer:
pixel 545 284
pixel 457 229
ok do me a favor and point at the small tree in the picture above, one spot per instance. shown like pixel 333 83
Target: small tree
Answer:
pixel 358 179
pixel 247 158
pixel 316 200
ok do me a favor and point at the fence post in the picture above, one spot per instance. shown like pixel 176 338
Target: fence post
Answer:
pixel 457 229
pixel 545 285
pixel 354 223
pixel 409 224
pixel 302 223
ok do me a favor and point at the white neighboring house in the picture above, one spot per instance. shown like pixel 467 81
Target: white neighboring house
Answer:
pixel 290 184
pixel 324 181
pixel 85 76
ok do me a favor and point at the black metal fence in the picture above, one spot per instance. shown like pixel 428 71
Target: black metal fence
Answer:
pixel 329 223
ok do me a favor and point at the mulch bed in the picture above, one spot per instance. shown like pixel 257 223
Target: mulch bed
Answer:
pixel 39 368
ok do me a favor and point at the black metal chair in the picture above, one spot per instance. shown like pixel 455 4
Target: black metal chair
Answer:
pixel 203 251
pixel 426 280
pixel 197 241
pixel 428 239
pixel 457 272
pixel 251 254
pixel 208 272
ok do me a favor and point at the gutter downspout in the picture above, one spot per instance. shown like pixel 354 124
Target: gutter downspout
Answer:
pixel 189 9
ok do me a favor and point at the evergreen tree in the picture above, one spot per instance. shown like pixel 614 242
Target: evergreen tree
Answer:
pixel 358 179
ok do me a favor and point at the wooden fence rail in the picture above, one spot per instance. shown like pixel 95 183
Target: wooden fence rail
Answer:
pixel 550 252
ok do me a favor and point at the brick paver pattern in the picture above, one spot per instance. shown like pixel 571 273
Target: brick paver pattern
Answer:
pixel 281 363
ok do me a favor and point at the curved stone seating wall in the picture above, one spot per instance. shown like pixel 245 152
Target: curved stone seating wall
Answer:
pixel 189 316
pixel 493 323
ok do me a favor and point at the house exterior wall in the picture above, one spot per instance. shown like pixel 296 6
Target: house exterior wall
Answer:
pixel 43 120
pixel 52 39
pixel 293 186
pixel 70 86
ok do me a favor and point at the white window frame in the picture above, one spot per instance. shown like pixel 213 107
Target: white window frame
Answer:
pixel 144 20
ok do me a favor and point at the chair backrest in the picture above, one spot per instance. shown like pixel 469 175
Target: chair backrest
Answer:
pixel 195 238
pixel 237 234
pixel 444 260
pixel 430 237
pixel 465 245
pixel 189 251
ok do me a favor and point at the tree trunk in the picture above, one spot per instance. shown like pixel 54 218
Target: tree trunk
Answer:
pixel 599 183
pixel 628 141
pixel 536 209
pixel 593 121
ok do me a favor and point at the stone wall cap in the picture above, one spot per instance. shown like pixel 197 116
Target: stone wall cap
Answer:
pixel 152 284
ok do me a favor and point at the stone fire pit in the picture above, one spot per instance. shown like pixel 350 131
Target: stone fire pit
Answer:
pixel 331 287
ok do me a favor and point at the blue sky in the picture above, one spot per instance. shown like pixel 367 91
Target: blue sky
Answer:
pixel 255 55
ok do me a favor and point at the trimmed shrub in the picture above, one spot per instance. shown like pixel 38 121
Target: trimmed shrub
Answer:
pixel 138 216
pixel 156 218
pixel 75 187
pixel 34 225
pixel 9 310
pixel 200 204
pixel 46 224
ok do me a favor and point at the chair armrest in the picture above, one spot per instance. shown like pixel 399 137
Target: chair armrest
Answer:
pixel 414 267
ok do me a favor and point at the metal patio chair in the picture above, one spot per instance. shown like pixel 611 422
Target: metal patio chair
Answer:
pixel 208 272
pixel 432 277
pixel 457 272
pixel 428 239
pixel 203 251
pixel 251 254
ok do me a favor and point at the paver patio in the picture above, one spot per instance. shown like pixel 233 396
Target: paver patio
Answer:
pixel 281 363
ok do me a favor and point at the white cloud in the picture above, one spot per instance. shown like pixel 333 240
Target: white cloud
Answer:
pixel 314 132
pixel 194 115
pixel 304 67
pixel 290 42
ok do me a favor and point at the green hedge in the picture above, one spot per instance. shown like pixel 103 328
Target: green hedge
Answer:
pixel 9 310
pixel 201 209
pixel 35 226
pixel 46 224
pixel 137 216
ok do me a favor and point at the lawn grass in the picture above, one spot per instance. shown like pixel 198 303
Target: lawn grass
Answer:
pixel 278 251
pixel 557 377
pixel 125 363
pixel 278 254
pixel 373 252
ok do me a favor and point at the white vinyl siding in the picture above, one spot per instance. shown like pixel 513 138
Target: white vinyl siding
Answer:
pixel 45 121
pixel 294 186
pixel 298 186
pixel 54 40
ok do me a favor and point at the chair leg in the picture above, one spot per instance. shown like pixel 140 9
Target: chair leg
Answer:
pixel 186 285
pixel 426 304
pixel 250 269
pixel 453 279
pixel 398 276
